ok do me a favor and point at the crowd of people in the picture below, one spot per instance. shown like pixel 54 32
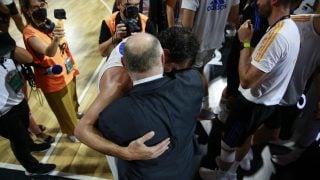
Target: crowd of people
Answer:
pixel 152 91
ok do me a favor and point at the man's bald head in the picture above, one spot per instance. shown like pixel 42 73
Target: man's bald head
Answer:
pixel 142 52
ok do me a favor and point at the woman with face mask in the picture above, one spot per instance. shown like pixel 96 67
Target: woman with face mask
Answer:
pixel 54 65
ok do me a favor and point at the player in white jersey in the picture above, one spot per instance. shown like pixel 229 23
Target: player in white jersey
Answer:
pixel 264 75
pixel 307 65
pixel 208 19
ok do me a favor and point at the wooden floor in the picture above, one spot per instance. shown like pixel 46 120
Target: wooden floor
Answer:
pixel 82 32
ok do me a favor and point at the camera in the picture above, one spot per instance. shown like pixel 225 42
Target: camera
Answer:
pixel 131 13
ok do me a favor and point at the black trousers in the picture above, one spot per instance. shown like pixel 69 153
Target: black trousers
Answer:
pixel 14 126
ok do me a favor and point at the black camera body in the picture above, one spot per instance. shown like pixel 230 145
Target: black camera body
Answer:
pixel 59 14
pixel 132 26
pixel 131 13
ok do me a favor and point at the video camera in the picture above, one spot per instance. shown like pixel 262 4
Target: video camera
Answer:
pixel 131 13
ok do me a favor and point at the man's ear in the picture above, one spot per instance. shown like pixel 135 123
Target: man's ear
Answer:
pixel 166 54
pixel 163 58
pixel 275 3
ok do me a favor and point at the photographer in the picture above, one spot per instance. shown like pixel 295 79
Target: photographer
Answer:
pixel 14 110
pixel 121 24
pixel 54 66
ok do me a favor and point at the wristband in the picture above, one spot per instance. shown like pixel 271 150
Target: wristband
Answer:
pixel 246 45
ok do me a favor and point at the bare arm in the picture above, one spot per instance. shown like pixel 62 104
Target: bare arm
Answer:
pixel 37 44
pixel 113 84
pixel 188 18
pixel 18 21
pixel 248 74
pixel 22 55
pixel 233 17
pixel 171 4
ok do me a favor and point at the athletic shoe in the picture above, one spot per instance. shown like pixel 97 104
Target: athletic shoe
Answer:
pixel 287 158
pixel 43 137
pixel 41 169
pixel 73 138
pixel 39 147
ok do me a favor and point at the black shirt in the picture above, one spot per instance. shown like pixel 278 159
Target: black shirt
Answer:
pixel 105 32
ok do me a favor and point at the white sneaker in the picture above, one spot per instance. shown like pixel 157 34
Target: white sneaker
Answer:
pixel 287 158
pixel 230 174
pixel 245 164
pixel 73 138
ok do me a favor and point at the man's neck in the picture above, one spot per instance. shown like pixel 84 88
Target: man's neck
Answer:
pixel 277 14
pixel 136 76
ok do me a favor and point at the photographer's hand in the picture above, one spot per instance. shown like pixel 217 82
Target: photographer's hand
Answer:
pixel 121 32
pixel 58 34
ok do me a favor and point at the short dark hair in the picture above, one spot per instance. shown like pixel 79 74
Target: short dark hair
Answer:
pixel 181 43
pixel 24 6
pixel 287 2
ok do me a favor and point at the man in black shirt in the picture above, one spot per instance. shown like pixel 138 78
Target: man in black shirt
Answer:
pixel 121 23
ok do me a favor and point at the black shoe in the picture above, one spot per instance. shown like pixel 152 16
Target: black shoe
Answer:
pixel 41 169
pixel 40 147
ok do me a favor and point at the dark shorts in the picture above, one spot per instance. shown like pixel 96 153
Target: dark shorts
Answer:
pixel 284 118
pixel 281 116
pixel 244 120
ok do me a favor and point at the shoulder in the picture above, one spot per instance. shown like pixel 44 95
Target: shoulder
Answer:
pixel 190 4
pixel 190 76
pixel 29 31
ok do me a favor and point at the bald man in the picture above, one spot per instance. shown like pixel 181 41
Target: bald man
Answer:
pixel 156 103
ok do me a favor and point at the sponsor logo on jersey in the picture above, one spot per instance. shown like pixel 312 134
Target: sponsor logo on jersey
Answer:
pixel 217 5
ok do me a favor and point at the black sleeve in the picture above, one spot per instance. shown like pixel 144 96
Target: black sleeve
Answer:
pixel 115 8
pixel 12 8
pixel 150 28
pixel 105 33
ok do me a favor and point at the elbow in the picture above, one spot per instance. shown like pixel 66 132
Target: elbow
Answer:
pixel 245 84
pixel 79 129
pixel 50 54
pixel 102 51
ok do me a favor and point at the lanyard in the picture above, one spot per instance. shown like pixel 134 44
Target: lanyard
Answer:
pixel 282 18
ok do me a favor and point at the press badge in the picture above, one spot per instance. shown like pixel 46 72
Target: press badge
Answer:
pixel 69 65
pixel 14 80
